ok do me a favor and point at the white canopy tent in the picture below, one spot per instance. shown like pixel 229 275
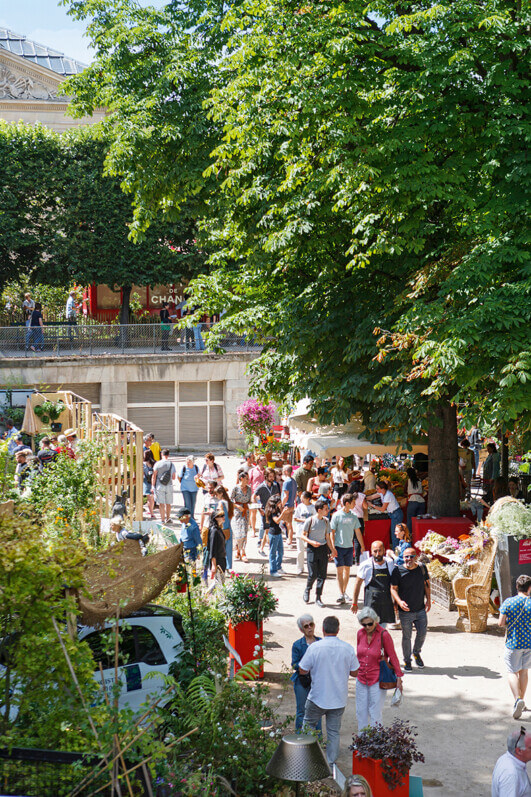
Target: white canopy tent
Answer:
pixel 344 440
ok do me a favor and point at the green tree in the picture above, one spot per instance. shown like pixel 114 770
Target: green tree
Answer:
pixel 370 176
pixel 73 226
pixel 374 180
pixel 153 71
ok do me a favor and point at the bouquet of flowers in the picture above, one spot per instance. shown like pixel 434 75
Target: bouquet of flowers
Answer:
pixel 508 516
pixel 245 597
pixel 428 544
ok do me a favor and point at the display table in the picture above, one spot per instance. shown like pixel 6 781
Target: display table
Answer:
pixel 377 530
pixel 446 526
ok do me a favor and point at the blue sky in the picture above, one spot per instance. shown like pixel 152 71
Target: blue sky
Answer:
pixel 47 22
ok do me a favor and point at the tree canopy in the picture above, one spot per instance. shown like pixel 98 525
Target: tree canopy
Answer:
pixel 66 221
pixel 368 215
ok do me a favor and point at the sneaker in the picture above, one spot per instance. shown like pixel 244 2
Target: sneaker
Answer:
pixel 261 553
pixel 300 572
pixel 408 667
pixel 306 596
pixel 341 599
pixel 319 603
pixel 282 572
pixel 278 574
pixel 518 708
pixel 418 661
pixel 348 599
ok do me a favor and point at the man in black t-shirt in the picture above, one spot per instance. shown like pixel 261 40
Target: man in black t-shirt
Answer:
pixel 410 588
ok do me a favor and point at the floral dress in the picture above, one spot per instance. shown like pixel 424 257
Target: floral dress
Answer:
pixel 240 520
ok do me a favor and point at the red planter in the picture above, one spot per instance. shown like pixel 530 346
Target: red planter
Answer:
pixel 371 770
pixel 243 638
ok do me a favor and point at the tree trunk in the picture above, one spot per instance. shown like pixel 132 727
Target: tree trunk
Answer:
pixel 125 310
pixel 443 474
pixel 504 471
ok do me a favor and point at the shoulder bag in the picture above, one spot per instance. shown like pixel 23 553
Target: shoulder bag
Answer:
pixel 388 676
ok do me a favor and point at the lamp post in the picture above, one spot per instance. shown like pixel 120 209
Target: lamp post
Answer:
pixel 299 758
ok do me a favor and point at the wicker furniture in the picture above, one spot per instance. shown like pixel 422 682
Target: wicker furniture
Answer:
pixel 472 593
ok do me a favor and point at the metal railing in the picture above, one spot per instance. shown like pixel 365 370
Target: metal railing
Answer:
pixel 111 339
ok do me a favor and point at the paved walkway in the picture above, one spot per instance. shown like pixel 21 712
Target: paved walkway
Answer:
pixel 460 703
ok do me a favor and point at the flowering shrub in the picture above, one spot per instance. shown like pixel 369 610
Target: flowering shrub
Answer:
pixel 255 417
pixel 244 598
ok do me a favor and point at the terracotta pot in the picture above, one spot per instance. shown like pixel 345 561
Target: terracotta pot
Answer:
pixel 243 638
pixel 371 769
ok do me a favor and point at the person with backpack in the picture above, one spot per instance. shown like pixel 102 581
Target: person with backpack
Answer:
pixel 162 480
pixel 189 488
pixel 211 471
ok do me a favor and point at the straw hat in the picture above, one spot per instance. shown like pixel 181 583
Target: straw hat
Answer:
pixel 69 432
pixel 117 520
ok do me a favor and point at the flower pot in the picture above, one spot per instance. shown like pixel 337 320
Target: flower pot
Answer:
pixel 371 769
pixel 244 638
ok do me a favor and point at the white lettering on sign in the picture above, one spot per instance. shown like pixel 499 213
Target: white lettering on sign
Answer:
pixel 156 298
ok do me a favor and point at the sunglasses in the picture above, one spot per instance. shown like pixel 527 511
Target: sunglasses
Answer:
pixel 368 625
pixel 308 625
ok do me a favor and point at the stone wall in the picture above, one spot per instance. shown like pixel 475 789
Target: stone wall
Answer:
pixel 113 374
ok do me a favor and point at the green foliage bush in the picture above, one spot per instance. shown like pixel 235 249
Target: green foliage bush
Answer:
pixel 65 493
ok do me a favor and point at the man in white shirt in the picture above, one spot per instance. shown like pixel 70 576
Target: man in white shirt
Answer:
pixel 330 662
pixel 303 511
pixel 510 778
pixel 71 314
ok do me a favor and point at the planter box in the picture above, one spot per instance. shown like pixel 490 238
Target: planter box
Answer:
pixel 370 768
pixel 443 594
pixel 243 638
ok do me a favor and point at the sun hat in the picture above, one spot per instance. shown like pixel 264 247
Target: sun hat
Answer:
pixel 70 432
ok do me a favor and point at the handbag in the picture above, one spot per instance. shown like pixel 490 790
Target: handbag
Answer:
pixel 387 677
pixel 305 680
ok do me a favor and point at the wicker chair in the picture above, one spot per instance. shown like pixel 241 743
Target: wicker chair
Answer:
pixel 472 593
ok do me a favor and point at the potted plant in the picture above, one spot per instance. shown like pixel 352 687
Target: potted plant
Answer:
pixel 247 601
pixel 49 411
pixel 384 757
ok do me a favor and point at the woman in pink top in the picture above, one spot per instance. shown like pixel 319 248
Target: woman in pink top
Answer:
pixel 371 639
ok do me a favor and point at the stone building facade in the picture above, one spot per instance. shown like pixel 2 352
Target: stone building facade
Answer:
pixel 30 83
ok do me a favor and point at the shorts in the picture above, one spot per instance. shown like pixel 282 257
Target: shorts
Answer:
pixel 345 557
pixel 164 493
pixel 517 659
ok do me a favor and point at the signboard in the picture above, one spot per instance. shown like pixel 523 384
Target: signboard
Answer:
pixel 524 552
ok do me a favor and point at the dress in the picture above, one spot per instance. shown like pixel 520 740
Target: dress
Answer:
pixel 240 520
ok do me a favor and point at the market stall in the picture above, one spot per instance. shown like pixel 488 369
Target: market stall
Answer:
pixel 447 526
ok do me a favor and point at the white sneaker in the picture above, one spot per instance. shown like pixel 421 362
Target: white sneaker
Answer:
pixel 262 553
pixel 300 572
pixel 347 597
pixel 281 571
pixel 278 574
pixel 518 708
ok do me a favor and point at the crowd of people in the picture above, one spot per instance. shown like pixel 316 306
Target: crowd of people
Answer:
pixel 28 462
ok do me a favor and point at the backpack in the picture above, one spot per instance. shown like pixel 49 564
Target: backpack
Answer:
pixel 183 470
pixel 166 477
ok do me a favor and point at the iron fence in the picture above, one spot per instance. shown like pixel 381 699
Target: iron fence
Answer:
pixel 61 340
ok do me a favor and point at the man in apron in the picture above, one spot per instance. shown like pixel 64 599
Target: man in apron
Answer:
pixel 375 574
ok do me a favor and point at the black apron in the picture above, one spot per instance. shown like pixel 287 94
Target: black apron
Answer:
pixel 378 595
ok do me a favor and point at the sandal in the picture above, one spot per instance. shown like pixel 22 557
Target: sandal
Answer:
pixel 244 558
